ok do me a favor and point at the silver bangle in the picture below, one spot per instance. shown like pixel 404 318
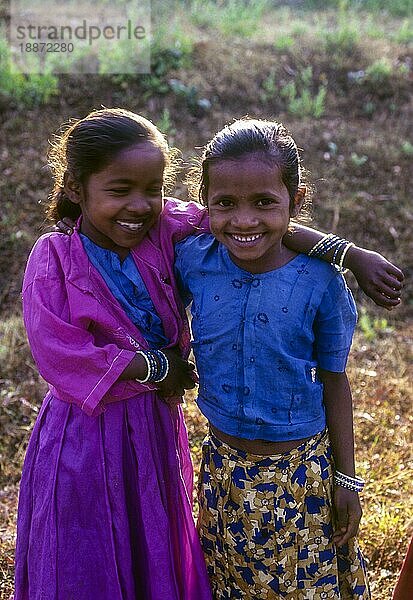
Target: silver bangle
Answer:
pixel 148 365
pixel 166 372
pixel 343 254
pixel 355 484
pixel 321 242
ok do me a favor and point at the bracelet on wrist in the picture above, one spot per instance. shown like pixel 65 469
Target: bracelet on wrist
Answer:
pixel 157 364
pixel 341 244
pixel 163 370
pixel 148 365
pixel 355 484
pixel 341 266
pixel 326 243
pixel 340 247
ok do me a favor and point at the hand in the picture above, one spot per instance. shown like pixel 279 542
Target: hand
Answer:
pixel 182 376
pixel 66 226
pixel 348 514
pixel 377 277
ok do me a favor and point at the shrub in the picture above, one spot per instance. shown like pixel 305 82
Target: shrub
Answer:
pixel 300 99
pixel 230 17
pixel 24 90
pixel 405 34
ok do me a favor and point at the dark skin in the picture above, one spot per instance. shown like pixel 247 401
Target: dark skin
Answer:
pixel 181 375
pixel 339 414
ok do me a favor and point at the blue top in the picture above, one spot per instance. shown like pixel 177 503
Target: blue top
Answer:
pixel 258 339
pixel 127 286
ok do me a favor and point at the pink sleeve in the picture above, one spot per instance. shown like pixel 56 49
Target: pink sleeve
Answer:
pixel 184 218
pixel 65 353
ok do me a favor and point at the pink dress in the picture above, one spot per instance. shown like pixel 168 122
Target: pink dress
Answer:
pixel 105 496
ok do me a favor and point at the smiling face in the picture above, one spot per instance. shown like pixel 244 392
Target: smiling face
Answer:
pixel 249 211
pixel 123 201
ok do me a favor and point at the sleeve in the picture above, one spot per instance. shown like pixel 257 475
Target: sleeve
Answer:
pixel 185 218
pixel 182 251
pixel 64 349
pixel 334 326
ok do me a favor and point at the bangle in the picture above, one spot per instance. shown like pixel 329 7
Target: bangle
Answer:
pixel 158 366
pixel 328 241
pixel 341 262
pixel 148 364
pixel 340 245
pixel 338 263
pixel 163 369
pixel 355 484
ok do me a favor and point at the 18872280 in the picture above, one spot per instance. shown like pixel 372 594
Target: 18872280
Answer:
pixel 46 47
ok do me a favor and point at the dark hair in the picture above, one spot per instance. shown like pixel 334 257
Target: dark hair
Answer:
pixel 269 139
pixel 88 145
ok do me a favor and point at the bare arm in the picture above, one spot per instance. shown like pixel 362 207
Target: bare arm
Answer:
pixel 378 278
pixel 339 414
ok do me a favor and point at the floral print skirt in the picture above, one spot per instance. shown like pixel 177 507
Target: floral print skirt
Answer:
pixel 266 525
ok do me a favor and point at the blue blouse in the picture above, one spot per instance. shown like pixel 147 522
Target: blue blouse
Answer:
pixel 258 339
pixel 127 286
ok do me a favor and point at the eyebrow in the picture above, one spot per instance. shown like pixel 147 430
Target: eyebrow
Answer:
pixel 124 180
pixel 264 193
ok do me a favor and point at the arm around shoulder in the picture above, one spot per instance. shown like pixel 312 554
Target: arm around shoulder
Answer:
pixel 379 279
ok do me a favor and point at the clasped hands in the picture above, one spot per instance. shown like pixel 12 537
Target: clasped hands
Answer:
pixel 181 376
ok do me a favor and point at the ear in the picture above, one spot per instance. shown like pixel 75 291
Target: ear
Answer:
pixel 72 188
pixel 298 200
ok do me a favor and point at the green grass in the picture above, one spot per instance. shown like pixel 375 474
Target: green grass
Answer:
pixel 398 8
pixel 22 90
pixel 230 17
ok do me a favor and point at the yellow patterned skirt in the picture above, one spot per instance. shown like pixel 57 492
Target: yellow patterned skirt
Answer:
pixel 266 526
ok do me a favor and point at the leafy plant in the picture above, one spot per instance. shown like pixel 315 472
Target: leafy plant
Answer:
pixel 372 327
pixel 163 61
pixel 230 17
pixel 300 99
pixel 407 148
pixel 341 41
pixel 284 42
pixel 268 87
pixel 189 93
pixel 20 89
pixel 399 8
pixel 380 71
pixel 165 124
pixel 405 34
pixel 358 160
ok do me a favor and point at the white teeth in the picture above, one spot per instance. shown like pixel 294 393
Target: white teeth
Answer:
pixel 131 226
pixel 247 238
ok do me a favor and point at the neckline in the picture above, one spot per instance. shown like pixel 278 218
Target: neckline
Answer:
pixel 229 260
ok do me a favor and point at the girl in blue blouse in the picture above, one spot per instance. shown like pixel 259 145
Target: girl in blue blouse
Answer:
pixel 272 329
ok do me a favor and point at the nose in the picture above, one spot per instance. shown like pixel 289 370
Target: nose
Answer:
pixel 139 204
pixel 245 218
